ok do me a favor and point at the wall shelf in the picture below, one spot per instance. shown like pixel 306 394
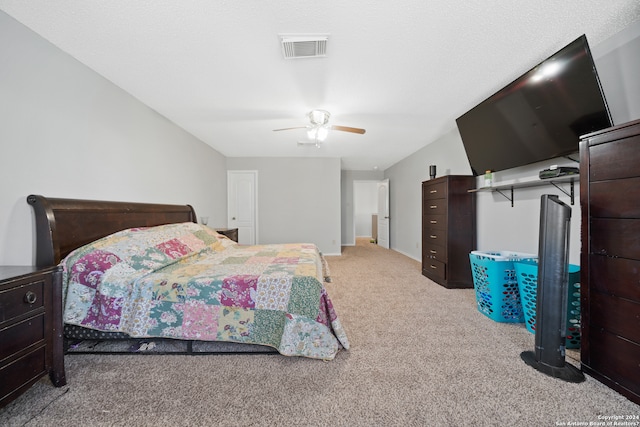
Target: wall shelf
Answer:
pixel 506 190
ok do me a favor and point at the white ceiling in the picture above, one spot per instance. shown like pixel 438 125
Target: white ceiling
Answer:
pixel 403 70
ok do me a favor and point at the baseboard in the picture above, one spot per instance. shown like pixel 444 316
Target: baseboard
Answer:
pixel 332 254
pixel 407 255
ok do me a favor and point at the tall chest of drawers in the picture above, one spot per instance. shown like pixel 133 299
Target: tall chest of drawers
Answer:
pixel 610 257
pixel 30 329
pixel 448 230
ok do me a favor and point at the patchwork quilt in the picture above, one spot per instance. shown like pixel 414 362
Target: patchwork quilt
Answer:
pixel 185 281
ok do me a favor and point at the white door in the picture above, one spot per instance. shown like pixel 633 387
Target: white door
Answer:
pixel 383 213
pixel 241 204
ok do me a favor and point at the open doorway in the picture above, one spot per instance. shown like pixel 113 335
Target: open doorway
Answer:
pixel 369 221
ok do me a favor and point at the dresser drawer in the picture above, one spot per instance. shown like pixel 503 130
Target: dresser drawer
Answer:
pixel 21 300
pixel 616 237
pixel 21 335
pixel 434 207
pixel 434 191
pixel 615 199
pixel 433 236
pixel 615 160
pixel 23 371
pixel 615 276
pixel 432 250
pixel 615 357
pixel 435 268
pixel 616 315
pixel 432 221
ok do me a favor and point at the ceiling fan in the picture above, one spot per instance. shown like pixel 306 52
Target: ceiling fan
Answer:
pixel 319 127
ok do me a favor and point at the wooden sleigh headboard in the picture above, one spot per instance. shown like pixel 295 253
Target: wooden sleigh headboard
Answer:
pixel 63 225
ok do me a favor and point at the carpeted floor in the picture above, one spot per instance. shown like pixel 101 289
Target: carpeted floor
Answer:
pixel 421 355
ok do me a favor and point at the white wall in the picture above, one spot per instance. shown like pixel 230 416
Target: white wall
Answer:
pixel 298 199
pixel 365 202
pixel 618 62
pixel 68 132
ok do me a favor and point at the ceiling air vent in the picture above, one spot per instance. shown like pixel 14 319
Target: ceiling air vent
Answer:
pixel 304 45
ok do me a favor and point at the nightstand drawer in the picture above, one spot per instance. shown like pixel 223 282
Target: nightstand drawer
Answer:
pixel 30 324
pixel 23 371
pixel 21 335
pixel 21 300
pixel 231 233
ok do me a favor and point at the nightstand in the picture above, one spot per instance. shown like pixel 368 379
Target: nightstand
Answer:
pixel 231 233
pixel 30 329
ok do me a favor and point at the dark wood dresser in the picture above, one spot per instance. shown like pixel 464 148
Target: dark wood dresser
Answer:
pixel 610 257
pixel 30 329
pixel 448 230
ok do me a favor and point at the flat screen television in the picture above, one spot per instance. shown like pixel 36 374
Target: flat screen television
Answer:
pixel 539 116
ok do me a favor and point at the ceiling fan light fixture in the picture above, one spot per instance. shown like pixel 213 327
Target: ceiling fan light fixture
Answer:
pixel 318 133
pixel 319 117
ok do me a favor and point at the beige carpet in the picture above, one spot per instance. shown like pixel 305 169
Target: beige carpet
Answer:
pixel 421 355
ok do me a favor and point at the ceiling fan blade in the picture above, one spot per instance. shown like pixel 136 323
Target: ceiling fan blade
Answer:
pixel 297 127
pixel 348 129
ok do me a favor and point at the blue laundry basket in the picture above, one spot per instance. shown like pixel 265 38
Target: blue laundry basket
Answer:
pixel 527 275
pixel 496 285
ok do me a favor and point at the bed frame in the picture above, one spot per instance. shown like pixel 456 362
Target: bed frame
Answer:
pixel 63 225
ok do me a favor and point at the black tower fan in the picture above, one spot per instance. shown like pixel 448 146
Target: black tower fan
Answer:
pixel 551 304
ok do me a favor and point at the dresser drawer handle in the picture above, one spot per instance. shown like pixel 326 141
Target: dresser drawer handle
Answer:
pixel 433 207
pixel 434 267
pixel 30 297
pixel 433 252
pixel 433 191
pixel 433 221
pixel 433 236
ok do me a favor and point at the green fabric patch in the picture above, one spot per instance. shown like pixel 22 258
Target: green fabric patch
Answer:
pixel 208 290
pixel 267 253
pixel 207 238
pixel 168 321
pixel 152 258
pixel 305 297
pixel 236 260
pixel 268 327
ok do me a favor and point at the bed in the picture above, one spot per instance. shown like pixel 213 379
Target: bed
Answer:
pixel 149 273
